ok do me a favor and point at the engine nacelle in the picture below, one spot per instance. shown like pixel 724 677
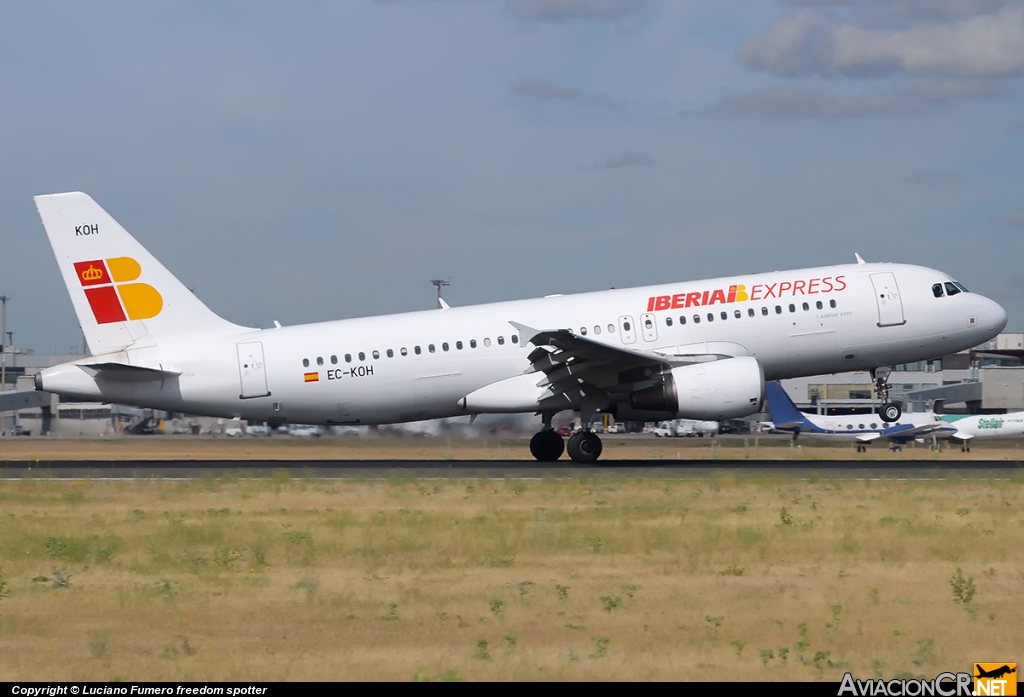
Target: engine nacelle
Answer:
pixel 725 389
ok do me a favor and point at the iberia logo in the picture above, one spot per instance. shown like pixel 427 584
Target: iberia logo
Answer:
pixel 111 294
pixel 739 293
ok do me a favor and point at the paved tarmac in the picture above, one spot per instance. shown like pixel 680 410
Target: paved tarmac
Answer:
pixel 382 469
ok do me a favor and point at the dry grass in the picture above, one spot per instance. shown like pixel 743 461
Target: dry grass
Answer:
pixel 456 448
pixel 281 579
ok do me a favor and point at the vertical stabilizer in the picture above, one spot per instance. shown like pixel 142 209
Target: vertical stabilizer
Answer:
pixel 781 407
pixel 122 295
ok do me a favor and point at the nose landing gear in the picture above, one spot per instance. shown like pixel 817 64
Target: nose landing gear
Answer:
pixel 889 412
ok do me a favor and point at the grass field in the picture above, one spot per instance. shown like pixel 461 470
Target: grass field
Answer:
pixel 280 579
pixel 457 448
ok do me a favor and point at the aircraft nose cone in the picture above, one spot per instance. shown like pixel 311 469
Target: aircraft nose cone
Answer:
pixel 998 316
pixel 991 316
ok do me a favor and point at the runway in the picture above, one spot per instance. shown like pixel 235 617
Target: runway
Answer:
pixel 383 469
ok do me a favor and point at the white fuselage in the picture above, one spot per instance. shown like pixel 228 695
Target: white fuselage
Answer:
pixel 408 367
pixel 989 426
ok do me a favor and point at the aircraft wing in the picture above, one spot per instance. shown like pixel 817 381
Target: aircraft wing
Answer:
pixel 868 437
pixel 961 436
pixel 789 426
pixel 26 399
pixel 568 358
pixel 915 431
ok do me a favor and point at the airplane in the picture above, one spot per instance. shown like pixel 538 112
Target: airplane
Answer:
pixel 985 426
pixel 697 350
pixel 860 428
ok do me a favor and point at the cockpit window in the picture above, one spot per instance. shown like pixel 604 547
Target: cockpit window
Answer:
pixel 937 290
pixel 951 288
pixel 960 285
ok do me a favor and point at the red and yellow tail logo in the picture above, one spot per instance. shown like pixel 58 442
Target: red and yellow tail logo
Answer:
pixel 112 296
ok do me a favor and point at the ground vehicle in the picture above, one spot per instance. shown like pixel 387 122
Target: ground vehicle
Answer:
pixel 666 429
pixel 304 431
pixel 234 428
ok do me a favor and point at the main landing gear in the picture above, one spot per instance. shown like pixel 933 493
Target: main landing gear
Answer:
pixel 889 412
pixel 547 446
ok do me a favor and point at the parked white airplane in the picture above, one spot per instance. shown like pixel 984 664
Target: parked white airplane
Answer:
pixel 698 350
pixel 861 428
pixel 985 426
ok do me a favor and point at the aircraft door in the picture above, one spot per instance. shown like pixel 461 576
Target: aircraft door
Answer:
pixel 649 326
pixel 627 329
pixel 887 295
pixel 252 370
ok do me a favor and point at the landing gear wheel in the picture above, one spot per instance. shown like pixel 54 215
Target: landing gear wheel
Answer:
pixel 965 448
pixel 861 449
pixel 890 412
pixel 547 446
pixel 584 447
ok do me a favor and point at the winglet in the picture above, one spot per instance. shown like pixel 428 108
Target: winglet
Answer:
pixel 526 333
pixel 860 259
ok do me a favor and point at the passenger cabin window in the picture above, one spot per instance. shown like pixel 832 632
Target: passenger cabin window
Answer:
pixel 832 303
pixel 611 328
pixel 444 346
pixel 319 360
pixel 737 314
pixel 458 345
pixel 937 290
pixel 778 309
pixel 806 307
pixel 305 362
pixel 951 289
pixel 362 356
pixel 682 320
pixel 792 307
pixel 626 326
pixel 376 355
pixel 818 305
pixel 487 342
pixel 668 321
pixel 334 360
pixel 472 343
pixel 501 339
pixel 391 354
pixel 417 350
pixel 430 347
pixel 647 323
pixel 696 319
pixel 764 311
pixel 725 315
pixel 597 330
pixel 583 331
pixel 750 312
pixel 348 357
pixel 711 317
pixel 515 337
pixel 404 351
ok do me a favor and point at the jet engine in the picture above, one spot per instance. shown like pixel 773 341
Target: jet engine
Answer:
pixel 725 389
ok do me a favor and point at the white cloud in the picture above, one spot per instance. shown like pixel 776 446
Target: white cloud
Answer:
pixel 542 89
pixel 626 158
pixel 936 178
pixel 568 10
pixel 810 101
pixel 808 42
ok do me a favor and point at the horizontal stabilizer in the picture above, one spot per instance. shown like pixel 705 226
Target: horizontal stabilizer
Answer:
pixel 124 372
pixel 11 401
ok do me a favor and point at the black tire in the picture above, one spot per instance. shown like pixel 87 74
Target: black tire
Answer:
pixel 585 447
pixel 890 412
pixel 547 446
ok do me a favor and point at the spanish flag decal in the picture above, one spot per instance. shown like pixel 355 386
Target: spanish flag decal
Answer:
pixel 311 377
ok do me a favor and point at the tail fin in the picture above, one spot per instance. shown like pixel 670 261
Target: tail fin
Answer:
pixel 781 407
pixel 122 295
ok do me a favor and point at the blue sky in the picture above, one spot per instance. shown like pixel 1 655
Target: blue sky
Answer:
pixel 310 161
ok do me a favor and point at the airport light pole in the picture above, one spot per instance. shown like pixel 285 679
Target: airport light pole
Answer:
pixel 3 355
pixel 438 283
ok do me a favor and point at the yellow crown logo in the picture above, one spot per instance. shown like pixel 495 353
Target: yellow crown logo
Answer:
pixel 92 274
